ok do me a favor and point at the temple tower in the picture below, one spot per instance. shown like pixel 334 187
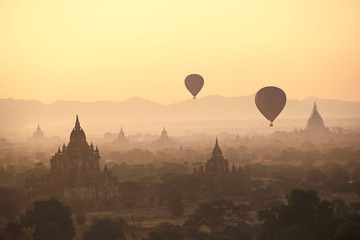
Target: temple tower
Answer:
pixel 38 134
pixel 121 140
pixel 217 163
pixel 76 169
pixel 315 121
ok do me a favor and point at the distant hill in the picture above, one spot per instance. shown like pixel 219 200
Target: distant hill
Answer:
pixel 17 114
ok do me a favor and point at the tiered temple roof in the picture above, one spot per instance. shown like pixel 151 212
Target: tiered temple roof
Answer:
pixel 77 164
pixel 217 164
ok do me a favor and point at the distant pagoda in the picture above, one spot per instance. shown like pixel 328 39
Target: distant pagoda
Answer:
pixel 315 121
pixel 75 169
pixel 217 164
pixel 164 140
pixel 121 139
pixel 38 135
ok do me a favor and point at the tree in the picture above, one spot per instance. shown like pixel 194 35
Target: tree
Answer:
pixel 349 229
pixel 51 231
pixel 303 205
pixel 194 233
pixel 191 186
pixel 14 229
pixel 315 176
pixel 354 187
pixel 340 175
pixel 135 225
pixel 8 208
pixel 170 167
pixel 50 215
pixel 297 232
pixel 356 174
pixel 174 202
pixel 234 185
pixel 352 164
pixel 304 213
pixel 291 154
pixel 355 207
pixel 129 189
pixel 217 214
pixel 166 231
pixel 231 233
pixel 105 229
pixel 5 175
pixel 340 207
pixel 80 219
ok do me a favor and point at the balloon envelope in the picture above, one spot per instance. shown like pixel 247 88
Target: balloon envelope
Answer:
pixel 270 101
pixel 194 83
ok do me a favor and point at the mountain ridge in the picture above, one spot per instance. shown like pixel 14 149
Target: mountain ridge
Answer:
pixel 310 98
pixel 18 113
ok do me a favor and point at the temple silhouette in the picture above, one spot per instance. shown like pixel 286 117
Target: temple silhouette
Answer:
pixel 163 140
pixel 75 169
pixel 315 121
pixel 38 134
pixel 217 164
pixel 121 141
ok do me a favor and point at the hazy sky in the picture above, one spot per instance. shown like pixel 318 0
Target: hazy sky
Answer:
pixel 115 49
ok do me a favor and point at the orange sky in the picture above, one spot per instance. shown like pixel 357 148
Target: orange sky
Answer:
pixel 111 50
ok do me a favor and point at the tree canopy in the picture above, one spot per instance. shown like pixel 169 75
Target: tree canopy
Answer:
pixel 50 216
pixel 304 216
pixel 105 229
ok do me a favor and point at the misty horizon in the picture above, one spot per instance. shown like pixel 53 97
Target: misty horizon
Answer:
pixel 312 98
pixel 139 113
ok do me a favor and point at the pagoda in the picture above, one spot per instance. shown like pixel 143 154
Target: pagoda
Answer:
pixel 38 135
pixel 75 169
pixel 315 121
pixel 164 140
pixel 121 139
pixel 217 164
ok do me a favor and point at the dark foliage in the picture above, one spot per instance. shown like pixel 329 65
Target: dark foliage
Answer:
pixel 8 208
pixel 315 176
pixel 217 214
pixel 305 216
pixel 50 215
pixel 80 219
pixel 15 230
pixel 105 229
pixel 349 229
pixel 166 231
pixel 174 202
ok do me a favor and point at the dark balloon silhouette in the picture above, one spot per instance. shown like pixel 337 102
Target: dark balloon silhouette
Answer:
pixel 194 83
pixel 270 101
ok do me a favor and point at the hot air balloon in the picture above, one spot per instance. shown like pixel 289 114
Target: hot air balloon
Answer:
pixel 194 83
pixel 270 101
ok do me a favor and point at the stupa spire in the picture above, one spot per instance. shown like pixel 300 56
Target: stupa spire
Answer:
pixel 77 123
pixel 315 121
pixel 217 150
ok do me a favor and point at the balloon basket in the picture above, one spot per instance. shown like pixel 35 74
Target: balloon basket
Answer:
pixel 271 124
pixel 194 97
